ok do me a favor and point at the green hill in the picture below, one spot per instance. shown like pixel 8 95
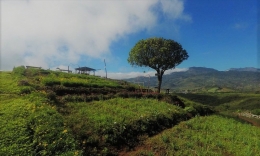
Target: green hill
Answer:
pixel 200 79
pixel 44 112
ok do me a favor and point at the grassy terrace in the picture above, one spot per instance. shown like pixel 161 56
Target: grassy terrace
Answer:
pixel 44 112
pixel 29 126
pixel 211 135
pixel 120 122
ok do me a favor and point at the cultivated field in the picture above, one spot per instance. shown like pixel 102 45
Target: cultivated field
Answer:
pixel 43 112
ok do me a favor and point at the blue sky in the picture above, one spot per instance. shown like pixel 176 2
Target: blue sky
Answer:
pixel 218 34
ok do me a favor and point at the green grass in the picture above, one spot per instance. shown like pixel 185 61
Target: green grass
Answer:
pixel 211 135
pixel 8 83
pixel 120 122
pixel 77 80
pixel 29 126
pixel 44 112
pixel 256 111
pixel 226 101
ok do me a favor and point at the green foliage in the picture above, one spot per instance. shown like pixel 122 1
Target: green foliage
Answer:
pixel 19 70
pixel 78 80
pixel 159 54
pixel 26 90
pixel 8 83
pixel 50 134
pixel 256 111
pixel 15 138
pixel 225 101
pixel 118 122
pixel 44 112
pixel 211 135
pixel 29 126
pixel 51 82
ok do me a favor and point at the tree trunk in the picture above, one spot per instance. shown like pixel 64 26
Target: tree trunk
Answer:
pixel 159 76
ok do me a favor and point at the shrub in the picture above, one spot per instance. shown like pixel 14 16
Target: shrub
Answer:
pixel 72 84
pixel 26 90
pixel 45 72
pixel 191 110
pixel 173 100
pixel 130 88
pixel 51 82
pixel 23 83
pixel 50 135
pixel 51 95
pixel 122 94
pixel 256 111
pixel 19 70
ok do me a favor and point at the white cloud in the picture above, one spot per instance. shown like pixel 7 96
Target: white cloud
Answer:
pixel 121 75
pixel 174 9
pixel 51 33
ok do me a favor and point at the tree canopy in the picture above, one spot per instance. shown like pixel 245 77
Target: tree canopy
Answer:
pixel 157 53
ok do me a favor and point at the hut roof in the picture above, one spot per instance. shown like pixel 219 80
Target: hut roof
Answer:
pixel 85 69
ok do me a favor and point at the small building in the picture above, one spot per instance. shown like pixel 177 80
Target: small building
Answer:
pixel 28 67
pixel 85 70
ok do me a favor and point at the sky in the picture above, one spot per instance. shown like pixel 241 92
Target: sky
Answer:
pixel 219 34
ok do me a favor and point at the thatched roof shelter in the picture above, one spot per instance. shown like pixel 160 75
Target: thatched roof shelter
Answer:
pixel 85 70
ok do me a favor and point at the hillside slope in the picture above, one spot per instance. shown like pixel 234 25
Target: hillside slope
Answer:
pixel 43 112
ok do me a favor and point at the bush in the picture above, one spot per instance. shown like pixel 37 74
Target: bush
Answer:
pixel 74 98
pixel 72 84
pixel 19 70
pixel 191 110
pixel 173 100
pixel 256 111
pixel 51 82
pixel 51 95
pixel 23 83
pixel 50 135
pixel 26 90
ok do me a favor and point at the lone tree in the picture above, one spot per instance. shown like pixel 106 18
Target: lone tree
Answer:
pixel 159 54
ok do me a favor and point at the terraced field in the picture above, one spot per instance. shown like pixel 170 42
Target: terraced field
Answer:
pixel 59 113
pixel 44 112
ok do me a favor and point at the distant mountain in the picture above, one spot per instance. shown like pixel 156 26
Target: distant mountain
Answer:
pixel 201 70
pixel 252 69
pixel 207 79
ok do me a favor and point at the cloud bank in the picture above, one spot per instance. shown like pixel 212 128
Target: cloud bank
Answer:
pixel 121 75
pixel 51 33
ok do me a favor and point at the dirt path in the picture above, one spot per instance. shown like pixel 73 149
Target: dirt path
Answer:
pixel 254 122
pixel 249 117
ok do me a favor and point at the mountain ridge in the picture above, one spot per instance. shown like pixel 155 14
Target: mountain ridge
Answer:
pixel 204 79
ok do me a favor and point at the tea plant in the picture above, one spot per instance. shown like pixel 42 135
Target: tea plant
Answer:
pixel 29 126
pixel 120 121
pixel 210 135
pixel 8 83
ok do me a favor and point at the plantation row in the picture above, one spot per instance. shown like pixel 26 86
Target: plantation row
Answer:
pixel 98 127
pixel 32 77
pixel 80 120
pixel 30 126
pixel 212 135
pixel 44 112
